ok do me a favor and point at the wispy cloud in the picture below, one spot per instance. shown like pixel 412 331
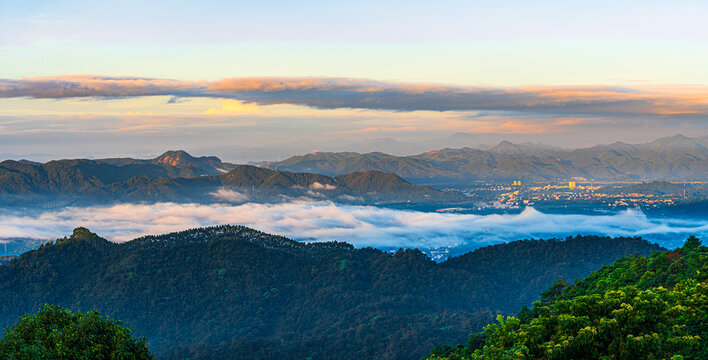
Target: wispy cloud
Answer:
pixel 317 186
pixel 229 195
pixel 359 225
pixel 331 93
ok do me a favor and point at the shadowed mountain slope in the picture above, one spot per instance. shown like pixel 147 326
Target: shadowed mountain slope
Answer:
pixel 79 182
pixel 234 292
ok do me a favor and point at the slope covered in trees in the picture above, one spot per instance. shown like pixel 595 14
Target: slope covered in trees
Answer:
pixel 640 307
pixel 208 292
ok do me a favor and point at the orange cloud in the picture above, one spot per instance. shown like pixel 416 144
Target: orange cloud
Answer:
pixel 338 93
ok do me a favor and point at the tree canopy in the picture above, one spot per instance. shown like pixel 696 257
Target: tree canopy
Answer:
pixel 652 307
pixel 56 333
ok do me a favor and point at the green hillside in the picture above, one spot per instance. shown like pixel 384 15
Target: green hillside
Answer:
pixel 640 307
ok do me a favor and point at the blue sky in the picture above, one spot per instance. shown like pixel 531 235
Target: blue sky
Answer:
pixel 468 42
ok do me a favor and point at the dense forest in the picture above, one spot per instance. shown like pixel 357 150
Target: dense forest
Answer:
pixel 653 307
pixel 207 292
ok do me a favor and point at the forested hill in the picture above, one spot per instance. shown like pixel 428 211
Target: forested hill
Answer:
pixel 653 307
pixel 173 177
pixel 177 163
pixel 234 292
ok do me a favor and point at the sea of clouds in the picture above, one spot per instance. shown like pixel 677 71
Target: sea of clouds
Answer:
pixel 358 225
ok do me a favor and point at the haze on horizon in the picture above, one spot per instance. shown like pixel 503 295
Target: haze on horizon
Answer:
pixel 257 81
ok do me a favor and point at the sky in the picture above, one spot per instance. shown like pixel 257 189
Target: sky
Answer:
pixel 249 80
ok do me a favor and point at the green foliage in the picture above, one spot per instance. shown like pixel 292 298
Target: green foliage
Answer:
pixel 57 334
pixel 637 308
pixel 692 243
pixel 233 292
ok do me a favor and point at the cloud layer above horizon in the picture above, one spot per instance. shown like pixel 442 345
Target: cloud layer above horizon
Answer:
pixel 265 118
pixel 359 225
pixel 335 93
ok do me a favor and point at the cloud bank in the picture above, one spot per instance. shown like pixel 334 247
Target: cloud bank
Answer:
pixel 331 93
pixel 358 225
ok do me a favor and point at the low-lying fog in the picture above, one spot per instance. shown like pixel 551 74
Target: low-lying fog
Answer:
pixel 359 225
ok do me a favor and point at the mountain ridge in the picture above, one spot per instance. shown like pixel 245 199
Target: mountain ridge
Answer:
pixel 88 181
pixel 669 158
pixel 207 292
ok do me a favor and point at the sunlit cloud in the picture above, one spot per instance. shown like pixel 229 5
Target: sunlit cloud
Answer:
pixel 525 125
pixel 333 93
pixel 278 112
pixel 230 107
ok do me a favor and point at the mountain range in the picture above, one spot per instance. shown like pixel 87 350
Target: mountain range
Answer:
pixel 180 177
pixel 676 158
pixel 234 292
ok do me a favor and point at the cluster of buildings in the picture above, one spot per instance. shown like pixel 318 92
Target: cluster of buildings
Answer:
pixel 516 195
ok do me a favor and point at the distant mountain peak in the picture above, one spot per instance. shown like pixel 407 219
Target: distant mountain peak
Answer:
pixel 182 159
pixel 507 147
pixel 677 142
pixel 82 233
pixel 675 138
pixel 175 158
pixel 85 236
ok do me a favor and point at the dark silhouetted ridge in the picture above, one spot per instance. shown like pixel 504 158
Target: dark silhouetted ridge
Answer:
pixel 235 292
